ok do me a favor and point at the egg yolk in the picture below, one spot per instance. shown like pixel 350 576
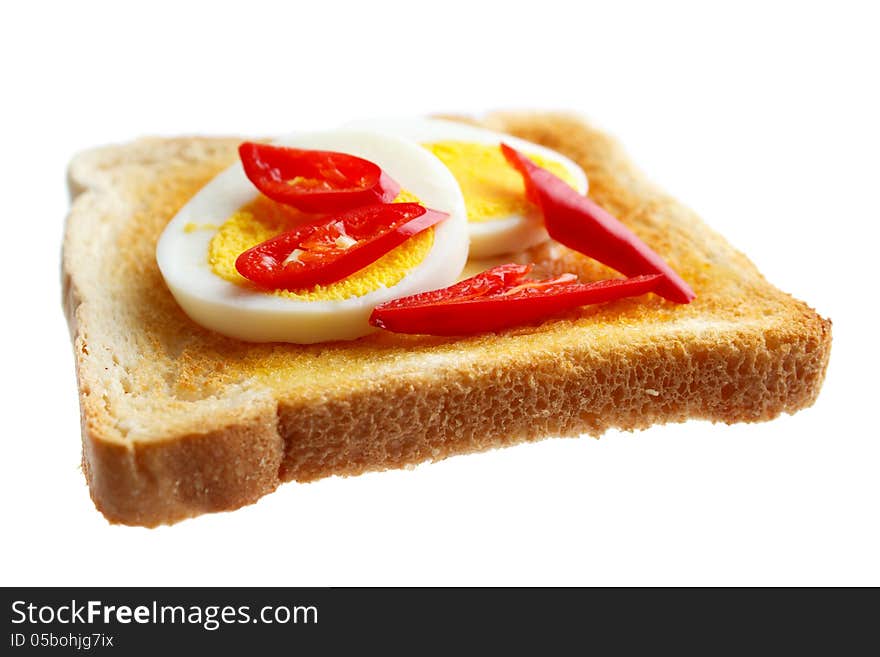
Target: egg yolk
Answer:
pixel 492 189
pixel 263 219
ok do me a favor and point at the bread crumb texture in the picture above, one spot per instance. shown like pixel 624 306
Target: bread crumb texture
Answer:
pixel 179 421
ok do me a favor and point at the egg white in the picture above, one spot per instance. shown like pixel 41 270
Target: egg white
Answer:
pixel 248 314
pixel 496 236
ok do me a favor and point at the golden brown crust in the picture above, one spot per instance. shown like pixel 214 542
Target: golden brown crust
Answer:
pixel 179 421
pixel 567 393
pixel 187 476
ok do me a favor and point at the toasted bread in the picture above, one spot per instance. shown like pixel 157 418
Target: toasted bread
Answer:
pixel 179 421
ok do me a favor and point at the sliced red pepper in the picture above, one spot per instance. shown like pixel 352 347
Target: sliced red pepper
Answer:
pixel 499 298
pixel 579 223
pixel 316 181
pixel 328 250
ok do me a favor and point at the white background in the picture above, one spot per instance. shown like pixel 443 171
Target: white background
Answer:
pixel 761 116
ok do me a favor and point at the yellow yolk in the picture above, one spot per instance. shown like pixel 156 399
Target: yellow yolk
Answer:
pixel 193 227
pixel 263 219
pixel 300 181
pixel 492 189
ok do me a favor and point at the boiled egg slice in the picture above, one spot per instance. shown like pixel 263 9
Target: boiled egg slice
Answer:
pixel 500 217
pixel 196 253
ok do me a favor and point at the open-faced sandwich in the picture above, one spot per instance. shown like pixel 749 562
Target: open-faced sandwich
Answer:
pixel 246 313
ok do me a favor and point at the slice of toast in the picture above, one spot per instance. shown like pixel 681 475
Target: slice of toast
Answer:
pixel 178 420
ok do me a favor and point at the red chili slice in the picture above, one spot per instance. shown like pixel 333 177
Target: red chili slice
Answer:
pixel 316 181
pixel 326 251
pixel 577 222
pixel 499 298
